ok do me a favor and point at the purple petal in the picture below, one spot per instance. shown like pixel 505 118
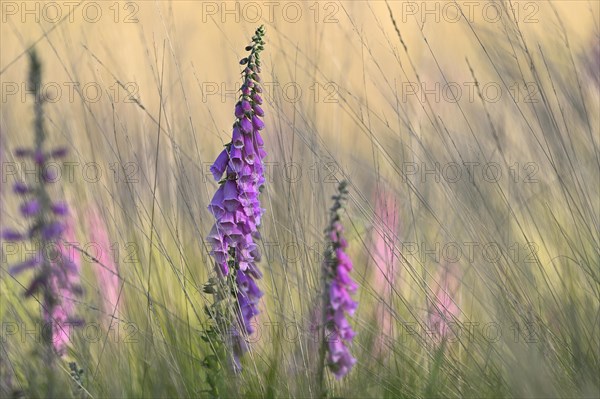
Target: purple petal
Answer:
pixel 230 196
pixel 60 152
pixel 60 208
pixel 11 235
pixel 23 152
pixel 239 112
pixel 238 141
pixel 337 226
pixel 262 153
pixel 246 125
pixel 216 206
pixel 337 296
pixel 333 237
pixel 21 188
pixel 218 168
pixel 53 230
pixel 236 161
pixel 343 259
pixel 257 123
pixel 246 107
pixel 258 110
pixel 257 98
pixel 21 267
pixel 249 154
pixel 227 221
pixel 30 208
pixel 245 173
pixel 39 157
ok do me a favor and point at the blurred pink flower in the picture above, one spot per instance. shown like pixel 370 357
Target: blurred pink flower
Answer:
pixel 384 239
pixel 106 271
pixel 2 183
pixel 387 269
pixel 444 309
pixel 64 281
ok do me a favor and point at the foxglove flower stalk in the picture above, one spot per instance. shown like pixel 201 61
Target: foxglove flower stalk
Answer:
pixel 338 285
pixel 56 274
pixel 239 169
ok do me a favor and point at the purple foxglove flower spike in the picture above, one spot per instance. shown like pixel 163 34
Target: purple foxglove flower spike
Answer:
pixel 56 276
pixel 338 303
pixel 236 206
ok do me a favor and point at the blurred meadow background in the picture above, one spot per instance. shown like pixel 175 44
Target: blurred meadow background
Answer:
pixel 471 147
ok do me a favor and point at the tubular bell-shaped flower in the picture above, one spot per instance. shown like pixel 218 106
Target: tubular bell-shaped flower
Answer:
pixel 236 207
pixel 338 285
